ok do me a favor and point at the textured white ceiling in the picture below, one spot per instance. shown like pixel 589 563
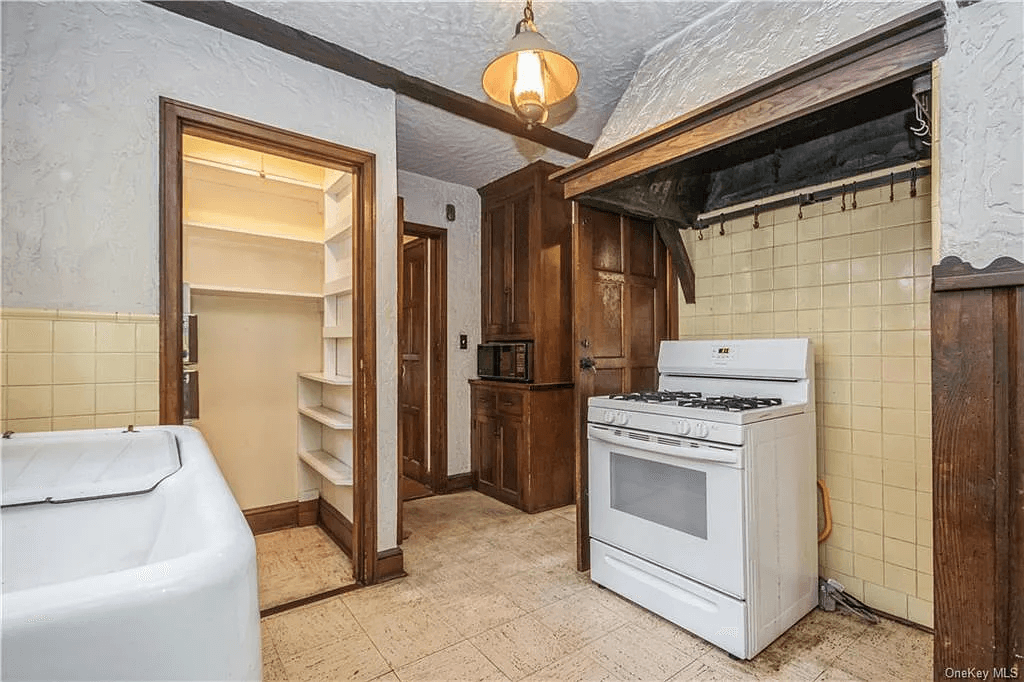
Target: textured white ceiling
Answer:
pixel 450 43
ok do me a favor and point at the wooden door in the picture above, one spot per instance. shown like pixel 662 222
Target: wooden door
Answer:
pixel 620 316
pixel 412 383
pixel 518 264
pixel 513 445
pixel 494 238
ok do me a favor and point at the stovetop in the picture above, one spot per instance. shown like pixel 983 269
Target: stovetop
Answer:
pixel 724 403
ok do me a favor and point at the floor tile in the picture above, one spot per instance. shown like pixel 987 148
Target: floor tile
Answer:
pixel 577 667
pixel 307 627
pixel 299 562
pixel 408 633
pixel 348 658
pixel 520 647
pixel 507 581
pixel 459 662
pixel 631 653
pixel 579 619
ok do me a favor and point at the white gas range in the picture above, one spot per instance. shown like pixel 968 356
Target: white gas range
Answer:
pixel 702 495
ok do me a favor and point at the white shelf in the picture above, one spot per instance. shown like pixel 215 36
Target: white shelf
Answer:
pixel 337 232
pixel 328 466
pixel 328 417
pixel 322 378
pixel 342 285
pixel 342 184
pixel 337 333
pixel 216 290
pixel 250 172
pixel 249 233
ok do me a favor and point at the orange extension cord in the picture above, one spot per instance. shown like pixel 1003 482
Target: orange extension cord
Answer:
pixel 827 505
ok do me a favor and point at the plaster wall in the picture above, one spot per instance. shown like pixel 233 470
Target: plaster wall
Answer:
pixel 81 83
pixel 740 43
pixel 981 143
pixel 425 199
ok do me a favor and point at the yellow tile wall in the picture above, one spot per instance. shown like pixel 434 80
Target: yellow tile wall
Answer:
pixel 856 282
pixel 78 370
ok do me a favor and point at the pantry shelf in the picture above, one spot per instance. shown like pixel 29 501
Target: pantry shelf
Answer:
pixel 328 466
pixel 328 417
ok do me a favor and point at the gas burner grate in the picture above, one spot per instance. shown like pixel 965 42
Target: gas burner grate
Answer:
pixel 730 403
pixel 656 396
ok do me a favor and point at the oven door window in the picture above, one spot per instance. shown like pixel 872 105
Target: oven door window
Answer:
pixel 671 496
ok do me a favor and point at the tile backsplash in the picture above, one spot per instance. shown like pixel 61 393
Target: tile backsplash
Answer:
pixel 857 282
pixel 78 370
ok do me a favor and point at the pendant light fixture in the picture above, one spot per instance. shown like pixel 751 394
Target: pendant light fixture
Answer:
pixel 530 75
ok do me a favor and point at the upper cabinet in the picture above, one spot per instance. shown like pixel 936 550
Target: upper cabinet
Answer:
pixel 526 263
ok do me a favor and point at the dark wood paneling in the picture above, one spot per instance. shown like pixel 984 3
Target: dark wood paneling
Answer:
pixel 266 31
pixel 952 274
pixel 457 482
pixel 881 56
pixel 389 565
pixel 620 315
pixel 681 266
pixel 978 450
pixel 336 526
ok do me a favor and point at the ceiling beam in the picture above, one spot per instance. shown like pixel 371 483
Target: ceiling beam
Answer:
pixel 266 31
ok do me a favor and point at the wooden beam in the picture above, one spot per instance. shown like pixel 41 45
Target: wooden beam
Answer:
pixel 884 55
pixel 669 233
pixel 266 31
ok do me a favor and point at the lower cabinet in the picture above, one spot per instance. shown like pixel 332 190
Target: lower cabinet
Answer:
pixel 522 443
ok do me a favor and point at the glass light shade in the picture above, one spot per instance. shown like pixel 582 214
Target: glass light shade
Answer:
pixel 530 76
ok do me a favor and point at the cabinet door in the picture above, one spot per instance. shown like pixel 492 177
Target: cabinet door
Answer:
pixel 513 447
pixel 518 263
pixel 484 448
pixel 494 240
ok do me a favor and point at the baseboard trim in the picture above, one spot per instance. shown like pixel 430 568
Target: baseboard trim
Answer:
pixel 337 527
pixel 280 516
pixel 389 565
pixel 459 482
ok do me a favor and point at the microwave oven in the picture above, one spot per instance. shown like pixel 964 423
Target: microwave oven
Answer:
pixel 505 361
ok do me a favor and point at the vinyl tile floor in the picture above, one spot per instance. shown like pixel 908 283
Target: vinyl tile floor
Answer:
pixel 299 562
pixel 493 594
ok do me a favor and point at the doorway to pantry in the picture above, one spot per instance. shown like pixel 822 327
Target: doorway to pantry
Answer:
pixel 266 241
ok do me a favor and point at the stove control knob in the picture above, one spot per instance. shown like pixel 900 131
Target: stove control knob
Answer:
pixel 623 418
pixel 682 427
pixel 700 429
pixel 609 416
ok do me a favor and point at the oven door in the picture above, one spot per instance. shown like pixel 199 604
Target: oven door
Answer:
pixel 675 502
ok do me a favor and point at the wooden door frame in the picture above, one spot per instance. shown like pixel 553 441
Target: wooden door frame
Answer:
pixel 438 343
pixel 179 118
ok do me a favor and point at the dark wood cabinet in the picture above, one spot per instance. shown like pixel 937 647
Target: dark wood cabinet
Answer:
pixel 522 443
pixel 526 261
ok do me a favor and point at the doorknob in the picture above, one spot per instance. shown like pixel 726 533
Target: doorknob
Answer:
pixel 588 363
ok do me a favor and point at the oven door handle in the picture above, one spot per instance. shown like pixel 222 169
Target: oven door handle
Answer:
pixel 696 453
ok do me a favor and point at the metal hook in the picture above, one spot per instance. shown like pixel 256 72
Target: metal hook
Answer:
pixel 800 212
pixel 843 206
pixel 854 195
pixel 913 181
pixel 721 228
pixel 892 184
pixel 757 223
pixel 700 235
